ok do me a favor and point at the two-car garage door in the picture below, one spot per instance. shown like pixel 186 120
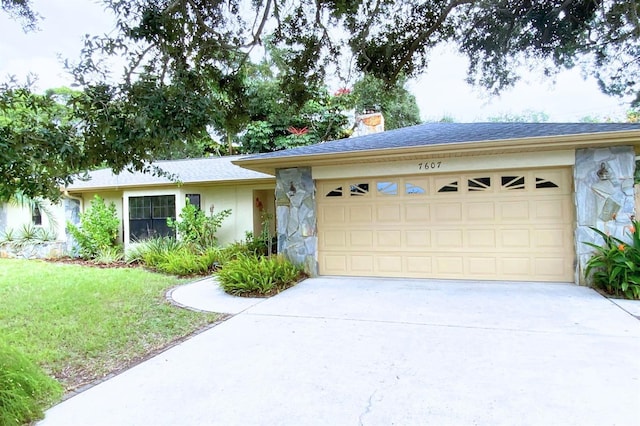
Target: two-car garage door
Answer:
pixel 507 225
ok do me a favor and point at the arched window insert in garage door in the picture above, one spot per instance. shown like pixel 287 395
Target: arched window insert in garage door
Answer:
pixel 508 183
pixel 384 188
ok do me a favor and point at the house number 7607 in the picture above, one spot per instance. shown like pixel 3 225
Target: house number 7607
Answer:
pixel 429 165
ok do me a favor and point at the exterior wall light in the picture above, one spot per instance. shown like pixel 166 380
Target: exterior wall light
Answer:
pixel 603 173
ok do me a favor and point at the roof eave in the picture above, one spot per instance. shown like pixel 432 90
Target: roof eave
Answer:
pixel 549 143
pixel 122 187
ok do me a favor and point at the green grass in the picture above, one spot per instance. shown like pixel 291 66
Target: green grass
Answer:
pixel 79 323
pixel 25 390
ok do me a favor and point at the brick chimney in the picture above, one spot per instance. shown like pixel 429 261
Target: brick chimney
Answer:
pixel 368 123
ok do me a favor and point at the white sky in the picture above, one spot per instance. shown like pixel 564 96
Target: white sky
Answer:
pixel 440 92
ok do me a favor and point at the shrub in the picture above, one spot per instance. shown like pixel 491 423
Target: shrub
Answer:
pixel 250 246
pixel 197 228
pixel 258 275
pixel 152 251
pixel 98 228
pixel 616 264
pixel 170 256
pixel 109 255
pixel 25 391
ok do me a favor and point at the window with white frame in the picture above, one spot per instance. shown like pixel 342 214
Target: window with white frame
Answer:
pixel 148 216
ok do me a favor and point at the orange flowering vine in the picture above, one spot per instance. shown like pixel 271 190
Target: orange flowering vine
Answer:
pixel 621 247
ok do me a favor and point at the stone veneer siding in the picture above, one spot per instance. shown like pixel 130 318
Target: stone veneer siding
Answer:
pixel 296 217
pixel 607 204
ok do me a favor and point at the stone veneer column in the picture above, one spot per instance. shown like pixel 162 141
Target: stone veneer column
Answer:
pixel 605 203
pixel 296 217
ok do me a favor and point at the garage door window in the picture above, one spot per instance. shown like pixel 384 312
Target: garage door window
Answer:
pixel 335 192
pixel 451 187
pixel 411 189
pixel 359 189
pixel 148 216
pixel 512 182
pixel 544 183
pixel 387 188
pixel 479 184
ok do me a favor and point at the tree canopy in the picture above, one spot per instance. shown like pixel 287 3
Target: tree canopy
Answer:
pixel 187 65
pixel 385 38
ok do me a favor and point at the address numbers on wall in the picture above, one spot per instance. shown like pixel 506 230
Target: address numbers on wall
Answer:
pixel 429 165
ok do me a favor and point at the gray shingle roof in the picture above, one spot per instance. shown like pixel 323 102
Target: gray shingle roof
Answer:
pixel 200 170
pixel 448 133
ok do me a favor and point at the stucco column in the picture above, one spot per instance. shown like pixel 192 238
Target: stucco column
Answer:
pixel 604 198
pixel 296 217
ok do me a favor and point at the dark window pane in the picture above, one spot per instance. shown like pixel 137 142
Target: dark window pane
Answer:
pixel 513 182
pixel 148 216
pixel 36 216
pixel 479 184
pixel 139 229
pixel 335 193
pixel 452 187
pixel 359 189
pixel 161 229
pixel 194 199
pixel 139 207
pixel 544 183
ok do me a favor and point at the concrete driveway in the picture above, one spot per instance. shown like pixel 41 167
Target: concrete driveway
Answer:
pixel 351 351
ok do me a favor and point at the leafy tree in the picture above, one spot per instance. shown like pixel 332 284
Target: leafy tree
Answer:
pixel 22 11
pixel 388 39
pixel 633 115
pixel 276 123
pixel 397 104
pixel 527 116
pixel 187 63
pixel 40 143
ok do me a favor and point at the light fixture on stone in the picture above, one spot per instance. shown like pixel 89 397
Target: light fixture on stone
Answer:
pixel 603 173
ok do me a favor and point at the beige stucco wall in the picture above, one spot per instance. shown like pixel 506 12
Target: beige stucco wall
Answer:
pixel 431 165
pixel 17 216
pixel 239 198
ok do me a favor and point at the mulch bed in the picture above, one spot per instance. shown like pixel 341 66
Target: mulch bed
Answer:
pixel 83 262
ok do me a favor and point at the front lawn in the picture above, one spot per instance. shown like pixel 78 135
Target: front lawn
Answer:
pixel 80 323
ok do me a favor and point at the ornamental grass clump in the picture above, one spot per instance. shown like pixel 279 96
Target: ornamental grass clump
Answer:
pixel 25 390
pixel 615 265
pixel 258 275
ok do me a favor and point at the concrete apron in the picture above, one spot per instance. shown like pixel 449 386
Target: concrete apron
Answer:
pixel 348 351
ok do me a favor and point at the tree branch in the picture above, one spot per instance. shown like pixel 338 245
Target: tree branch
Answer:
pixel 265 18
pixel 422 37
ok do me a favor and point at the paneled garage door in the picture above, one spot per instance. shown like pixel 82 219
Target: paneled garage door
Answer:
pixel 508 225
